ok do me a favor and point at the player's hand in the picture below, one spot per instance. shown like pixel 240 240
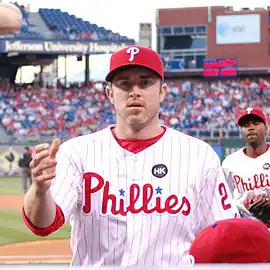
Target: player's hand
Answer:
pixel 249 200
pixel 259 207
pixel 43 165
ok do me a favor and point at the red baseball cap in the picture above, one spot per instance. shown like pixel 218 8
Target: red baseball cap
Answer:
pixel 135 56
pixel 237 240
pixel 252 111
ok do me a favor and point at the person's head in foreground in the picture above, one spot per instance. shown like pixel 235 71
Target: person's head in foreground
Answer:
pixel 238 240
pixel 135 86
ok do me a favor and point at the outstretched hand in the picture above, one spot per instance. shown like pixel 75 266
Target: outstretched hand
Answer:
pixel 43 165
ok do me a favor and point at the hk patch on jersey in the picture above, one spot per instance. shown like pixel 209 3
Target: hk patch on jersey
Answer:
pixel 159 170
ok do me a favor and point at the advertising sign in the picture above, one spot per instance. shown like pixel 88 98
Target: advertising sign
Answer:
pixel 238 29
pixel 220 67
pixel 58 47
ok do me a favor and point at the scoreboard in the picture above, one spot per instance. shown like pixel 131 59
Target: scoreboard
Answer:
pixel 220 67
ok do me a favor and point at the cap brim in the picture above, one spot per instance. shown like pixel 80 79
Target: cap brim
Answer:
pixel 242 118
pixel 112 74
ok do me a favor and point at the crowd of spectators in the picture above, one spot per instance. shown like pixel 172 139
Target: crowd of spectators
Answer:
pixel 213 105
pixel 77 110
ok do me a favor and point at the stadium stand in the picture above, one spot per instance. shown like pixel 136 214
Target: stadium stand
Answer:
pixel 26 31
pixel 205 109
pixel 201 109
pixel 66 26
pixel 209 109
pixel 69 26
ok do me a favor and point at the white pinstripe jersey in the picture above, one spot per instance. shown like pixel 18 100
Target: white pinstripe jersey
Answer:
pixel 138 209
pixel 247 175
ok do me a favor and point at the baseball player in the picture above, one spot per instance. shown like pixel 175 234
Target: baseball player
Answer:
pixel 248 169
pixel 135 193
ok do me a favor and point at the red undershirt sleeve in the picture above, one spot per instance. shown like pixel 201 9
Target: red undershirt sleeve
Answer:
pixel 58 222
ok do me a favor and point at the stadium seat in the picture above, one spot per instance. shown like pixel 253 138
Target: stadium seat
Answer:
pixel 192 133
pixel 234 133
pixel 69 25
pixel 204 133
pixel 26 31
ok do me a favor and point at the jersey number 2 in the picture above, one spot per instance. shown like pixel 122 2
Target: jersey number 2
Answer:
pixel 224 196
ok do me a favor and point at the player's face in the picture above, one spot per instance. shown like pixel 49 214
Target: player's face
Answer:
pixel 136 94
pixel 254 130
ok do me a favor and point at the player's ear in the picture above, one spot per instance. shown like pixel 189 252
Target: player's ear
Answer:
pixel 163 91
pixel 109 92
pixel 266 129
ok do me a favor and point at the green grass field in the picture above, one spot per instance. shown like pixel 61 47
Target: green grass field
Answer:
pixel 10 185
pixel 12 227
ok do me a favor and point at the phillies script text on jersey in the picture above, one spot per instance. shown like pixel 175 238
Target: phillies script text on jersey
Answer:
pixel 172 203
pixel 257 181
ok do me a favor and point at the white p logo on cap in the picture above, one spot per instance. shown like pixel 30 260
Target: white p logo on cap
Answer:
pixel 132 51
pixel 249 110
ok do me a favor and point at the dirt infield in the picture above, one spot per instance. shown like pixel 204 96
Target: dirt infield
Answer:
pixel 46 251
pixel 40 251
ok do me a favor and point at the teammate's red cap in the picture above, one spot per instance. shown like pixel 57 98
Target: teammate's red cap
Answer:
pixel 252 111
pixel 135 56
pixel 238 240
